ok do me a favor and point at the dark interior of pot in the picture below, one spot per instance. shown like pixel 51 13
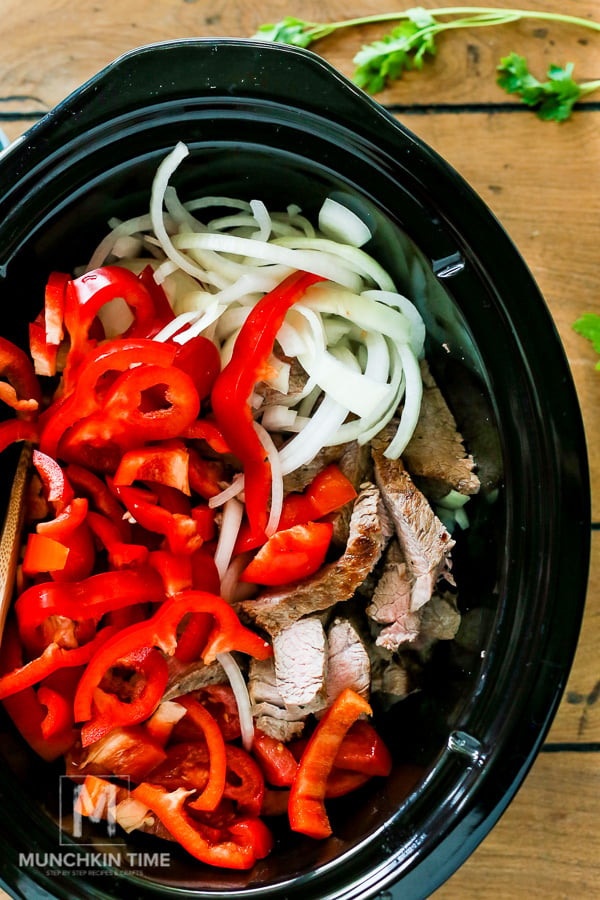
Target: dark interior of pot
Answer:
pixel 463 742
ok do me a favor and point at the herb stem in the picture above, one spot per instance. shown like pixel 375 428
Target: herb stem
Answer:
pixel 319 30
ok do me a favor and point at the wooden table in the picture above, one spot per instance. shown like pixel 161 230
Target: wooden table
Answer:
pixel 542 180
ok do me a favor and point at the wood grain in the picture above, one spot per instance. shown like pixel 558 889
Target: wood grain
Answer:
pixel 542 181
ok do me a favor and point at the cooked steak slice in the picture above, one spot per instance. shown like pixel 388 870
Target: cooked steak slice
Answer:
pixel 388 676
pixel 370 529
pixel 300 662
pixel 270 713
pixel 440 620
pixel 424 540
pixel 436 450
pixel 348 663
pixel 184 678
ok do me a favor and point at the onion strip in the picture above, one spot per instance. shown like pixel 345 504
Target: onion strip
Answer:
pixel 242 698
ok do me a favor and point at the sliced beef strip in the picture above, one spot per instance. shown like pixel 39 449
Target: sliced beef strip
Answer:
pixel 436 455
pixel 370 530
pixel 425 542
pixel 348 664
pixel 270 713
pixel 440 620
pixel 389 677
pixel 184 678
pixel 300 663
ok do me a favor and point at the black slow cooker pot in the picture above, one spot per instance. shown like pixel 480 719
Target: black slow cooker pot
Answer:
pixel 277 123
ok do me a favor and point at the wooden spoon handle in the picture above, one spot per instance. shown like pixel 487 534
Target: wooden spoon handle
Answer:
pixel 10 542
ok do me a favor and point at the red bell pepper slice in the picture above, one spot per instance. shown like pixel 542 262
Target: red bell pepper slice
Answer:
pixel 84 298
pixel 54 307
pixel 160 631
pixel 364 751
pixel 307 813
pixel 25 708
pixel 200 358
pixel 70 518
pixel 205 430
pixel 166 464
pixel 163 720
pixel 232 390
pixel 21 391
pixel 56 693
pixel 121 554
pixel 290 555
pixel 110 710
pixel 220 700
pixel 52 659
pixel 43 554
pixel 212 791
pixel 82 554
pixel 43 354
pixel 87 599
pixel 207 476
pixel 239 852
pixel 275 759
pixel 163 314
pixel 18 430
pixel 181 532
pixel 57 489
pixel 100 496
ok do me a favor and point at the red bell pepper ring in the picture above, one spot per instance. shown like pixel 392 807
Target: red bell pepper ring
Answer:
pixel 231 392
pixel 56 693
pixel 167 463
pixel 90 598
pixel 307 813
pixel 57 489
pixel 245 783
pixel 96 374
pixel 239 852
pixel 205 430
pixel 110 711
pixel 52 659
pixel 160 631
pixel 21 391
pixel 64 524
pixel 84 298
pixel 211 794
pixel 163 314
pixel 145 403
pixel 290 555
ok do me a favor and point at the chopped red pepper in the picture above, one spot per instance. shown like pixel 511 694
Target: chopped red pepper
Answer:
pixel 166 464
pixel 307 812
pixel 212 790
pixel 274 758
pixel 121 554
pixel 364 751
pixel 200 358
pixel 220 700
pixel 181 532
pixel 57 489
pixel 232 390
pixel 18 430
pixel 126 751
pixel 54 307
pixel 43 554
pixel 290 555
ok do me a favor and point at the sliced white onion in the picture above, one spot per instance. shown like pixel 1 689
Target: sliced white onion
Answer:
pixel 131 814
pixel 236 487
pixel 341 224
pixel 412 402
pixel 116 317
pixel 357 260
pixel 303 447
pixel 263 220
pixel 408 309
pixel 231 520
pixel 242 698
pixel 119 229
pixel 279 418
pixel 175 324
pixel 367 314
pixel 276 479
pixel 230 580
pixel 356 391
pixel 315 261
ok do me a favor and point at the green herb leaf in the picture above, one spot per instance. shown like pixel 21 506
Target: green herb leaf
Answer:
pixel 287 31
pixel 552 99
pixel 588 325
pixel 404 48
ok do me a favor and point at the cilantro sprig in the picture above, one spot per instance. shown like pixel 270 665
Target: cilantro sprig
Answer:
pixel 588 325
pixel 553 98
pixel 413 41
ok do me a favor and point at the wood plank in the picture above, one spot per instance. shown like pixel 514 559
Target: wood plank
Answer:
pixel 464 70
pixel 547 844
